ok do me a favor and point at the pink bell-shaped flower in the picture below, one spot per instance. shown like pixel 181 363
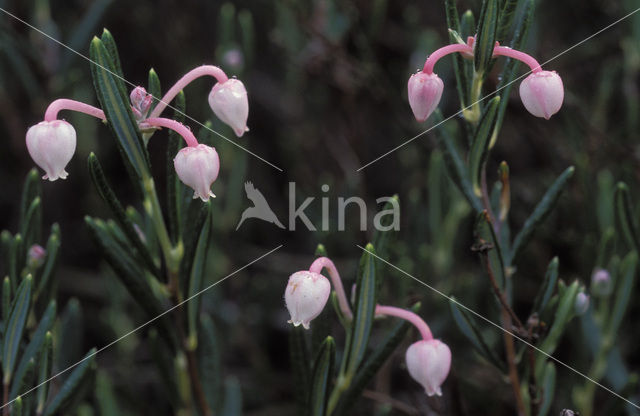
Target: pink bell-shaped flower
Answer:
pixel 229 102
pixel 51 145
pixel 305 296
pixel 198 166
pixel 542 93
pixel 425 91
pixel 140 102
pixel 428 362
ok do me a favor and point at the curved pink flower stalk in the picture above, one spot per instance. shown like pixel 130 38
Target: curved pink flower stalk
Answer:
pixel 65 104
pixel 176 126
pixel 442 52
pixel 416 320
pixel 201 71
pixel 520 56
pixel 324 262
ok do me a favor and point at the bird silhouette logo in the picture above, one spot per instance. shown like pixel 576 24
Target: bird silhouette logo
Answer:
pixel 260 208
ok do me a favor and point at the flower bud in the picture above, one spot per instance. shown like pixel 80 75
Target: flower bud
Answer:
pixel 228 100
pixel 581 304
pixel 198 166
pixel 425 91
pixel 542 93
pixel 51 145
pixel 428 362
pixel 305 296
pixel 601 284
pixel 140 102
pixel 35 256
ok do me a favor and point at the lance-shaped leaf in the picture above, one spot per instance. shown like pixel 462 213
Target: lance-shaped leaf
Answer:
pixel 479 151
pixel 486 35
pixel 383 232
pixel 540 212
pixel 625 219
pixel 16 261
pixel 486 240
pixel 381 352
pixel 507 17
pixel 547 288
pixel 321 378
pixel 6 300
pixel 106 398
pixel 364 310
pixel 14 327
pixel 44 370
pixel 232 398
pixel 31 228
pixel 174 184
pixel 458 64
pixel 300 362
pixel 31 190
pixel 6 240
pixel 34 348
pixel 53 250
pixel 193 222
pixel 17 407
pixel 623 293
pixel 469 328
pixel 74 386
pixel 210 362
pixel 154 88
pixel 563 314
pixel 117 110
pixel 456 168
pixel 196 278
pixel 548 388
pixel 110 44
pixel 125 223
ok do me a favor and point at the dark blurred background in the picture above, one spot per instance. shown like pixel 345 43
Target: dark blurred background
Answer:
pixel 327 89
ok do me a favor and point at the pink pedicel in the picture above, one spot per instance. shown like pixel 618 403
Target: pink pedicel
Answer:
pixel 326 263
pixel 429 362
pixel 542 93
pixel 198 167
pixel 51 145
pixel 140 102
pixel 229 102
pixel 306 296
pixel 176 126
pixel 415 320
pixel 424 91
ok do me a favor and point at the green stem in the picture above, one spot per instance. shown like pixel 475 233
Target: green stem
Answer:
pixel 472 115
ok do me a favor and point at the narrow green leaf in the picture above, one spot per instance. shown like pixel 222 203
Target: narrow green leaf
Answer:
pixel 469 328
pixel 507 16
pixel 174 184
pixel 16 407
pixel 44 370
pixel 14 327
pixel 563 314
pixel 154 88
pixel 623 292
pixel 34 348
pixel 16 261
pixel 115 66
pixel 31 228
pixel 364 310
pixel 125 223
pixel 546 204
pixel 300 362
pixel 210 363
pixel 625 219
pixel 486 35
pixel 53 250
pixel 321 378
pixel 548 388
pixel 69 337
pixel 456 168
pixel 547 288
pixel 479 151
pixel 467 28
pixel 117 109
pixel 106 398
pixel 372 364
pixel 193 221
pixel 6 299
pixel 73 385
pixel 31 190
pixel 6 240
pixel 486 239
pixel 196 278
pixel 453 23
pixel 232 398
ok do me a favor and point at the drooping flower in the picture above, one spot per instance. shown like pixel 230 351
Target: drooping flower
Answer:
pixel 305 296
pixel 542 93
pixel 425 91
pixel 428 362
pixel 229 102
pixel 51 145
pixel 198 167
